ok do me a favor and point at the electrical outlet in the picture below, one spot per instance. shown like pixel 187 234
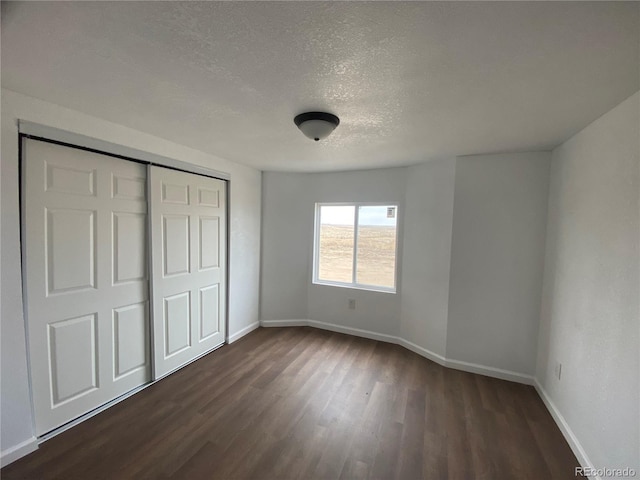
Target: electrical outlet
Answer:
pixel 558 370
pixel 352 304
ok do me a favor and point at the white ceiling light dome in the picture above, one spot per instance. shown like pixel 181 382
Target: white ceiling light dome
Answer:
pixel 316 125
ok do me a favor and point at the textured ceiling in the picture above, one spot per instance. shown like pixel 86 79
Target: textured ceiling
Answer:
pixel 410 81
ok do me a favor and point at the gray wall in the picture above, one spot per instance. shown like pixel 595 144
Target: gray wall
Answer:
pixel 499 219
pixel 590 320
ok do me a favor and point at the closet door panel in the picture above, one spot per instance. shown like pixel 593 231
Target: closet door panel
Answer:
pixel 188 225
pixel 84 230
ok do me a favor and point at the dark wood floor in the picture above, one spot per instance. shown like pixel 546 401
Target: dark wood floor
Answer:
pixel 307 403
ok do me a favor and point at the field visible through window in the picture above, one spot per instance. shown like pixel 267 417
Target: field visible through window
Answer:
pixel 376 254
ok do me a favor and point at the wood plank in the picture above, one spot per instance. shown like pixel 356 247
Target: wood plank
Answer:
pixel 305 403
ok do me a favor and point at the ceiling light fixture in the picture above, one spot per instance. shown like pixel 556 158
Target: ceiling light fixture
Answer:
pixel 316 125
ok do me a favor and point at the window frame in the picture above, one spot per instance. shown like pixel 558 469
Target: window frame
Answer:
pixel 316 247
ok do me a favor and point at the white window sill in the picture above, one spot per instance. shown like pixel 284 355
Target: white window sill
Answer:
pixel 368 288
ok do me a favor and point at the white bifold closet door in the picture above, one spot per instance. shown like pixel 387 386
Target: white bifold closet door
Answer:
pixel 85 234
pixel 188 232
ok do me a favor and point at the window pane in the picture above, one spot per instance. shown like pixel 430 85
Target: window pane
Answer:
pixel 335 258
pixel 376 263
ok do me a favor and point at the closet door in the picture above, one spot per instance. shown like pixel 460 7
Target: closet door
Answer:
pixel 85 259
pixel 188 232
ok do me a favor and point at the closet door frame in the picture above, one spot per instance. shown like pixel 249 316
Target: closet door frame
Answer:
pixel 28 130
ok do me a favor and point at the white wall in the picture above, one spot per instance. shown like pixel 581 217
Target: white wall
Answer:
pixel 471 233
pixel 15 404
pixel 286 246
pixel 590 317
pixel 427 253
pixel 473 263
pixel 497 252
pixel 375 311
pixel 288 221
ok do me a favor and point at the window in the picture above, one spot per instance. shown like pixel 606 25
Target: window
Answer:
pixel 355 245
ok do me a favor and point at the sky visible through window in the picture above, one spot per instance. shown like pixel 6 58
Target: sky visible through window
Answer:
pixel 368 215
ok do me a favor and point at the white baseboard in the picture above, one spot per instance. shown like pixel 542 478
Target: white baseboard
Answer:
pixel 12 454
pixel 331 327
pixel 284 323
pixel 490 371
pixel 423 352
pixel 357 332
pixel 569 436
pixel 437 358
pixel 241 333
